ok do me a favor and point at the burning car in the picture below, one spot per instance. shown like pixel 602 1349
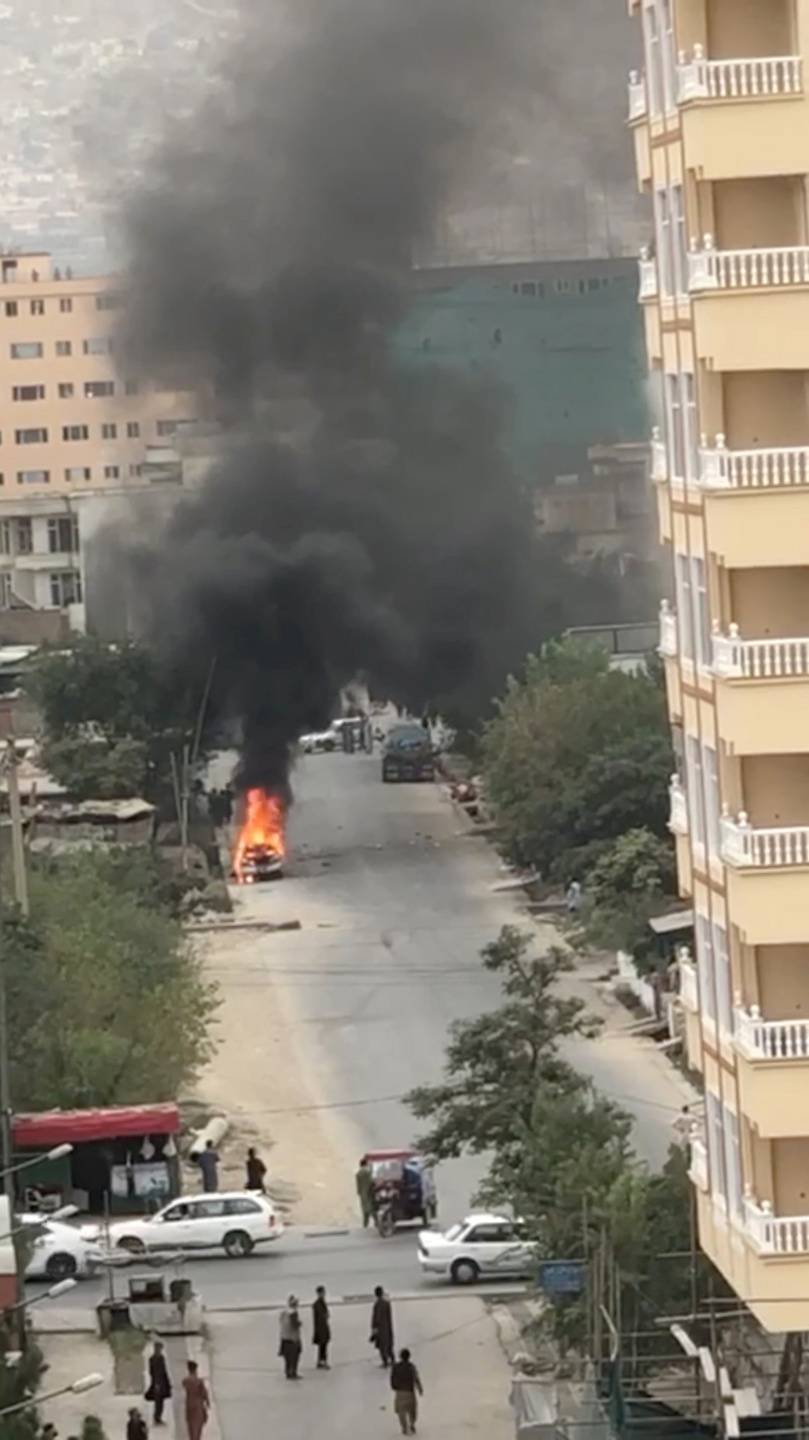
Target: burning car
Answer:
pixel 260 848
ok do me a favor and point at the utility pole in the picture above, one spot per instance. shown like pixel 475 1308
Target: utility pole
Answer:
pixel 21 895
pixel 17 840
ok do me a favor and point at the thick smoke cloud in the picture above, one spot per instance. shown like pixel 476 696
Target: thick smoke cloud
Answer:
pixel 362 515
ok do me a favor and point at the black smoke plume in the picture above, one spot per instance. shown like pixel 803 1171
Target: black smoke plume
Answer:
pixel 362 515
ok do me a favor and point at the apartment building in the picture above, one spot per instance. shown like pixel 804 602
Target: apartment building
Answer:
pixel 720 118
pixel 72 427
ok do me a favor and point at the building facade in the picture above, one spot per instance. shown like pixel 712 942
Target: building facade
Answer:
pixel 72 428
pixel 721 128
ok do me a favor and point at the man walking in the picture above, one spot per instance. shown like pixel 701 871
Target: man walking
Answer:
pixel 405 1383
pixel 364 1180
pixel 321 1329
pixel 209 1166
pixel 290 1333
pixel 159 1389
pixel 382 1327
pixel 135 1426
pixel 256 1171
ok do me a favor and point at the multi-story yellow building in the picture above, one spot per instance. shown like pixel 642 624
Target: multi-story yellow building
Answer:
pixel 71 426
pixel 720 117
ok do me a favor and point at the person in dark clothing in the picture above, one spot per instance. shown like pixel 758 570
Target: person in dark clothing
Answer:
pixel 290 1338
pixel 382 1326
pixel 159 1389
pixel 136 1426
pixel 405 1383
pixel 227 804
pixel 256 1170
pixel 321 1329
pixel 208 1163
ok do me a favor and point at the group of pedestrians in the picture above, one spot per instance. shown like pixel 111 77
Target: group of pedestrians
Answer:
pixel 404 1377
pixel 159 1390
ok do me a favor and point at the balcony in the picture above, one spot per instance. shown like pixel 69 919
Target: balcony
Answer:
pixel 689 985
pixel 786 468
pixel 756 504
pixel 668 631
pixel 744 79
pixel 748 304
pixel 761 693
pixel 638 104
pixel 678 813
pixel 648 276
pixel 698 1168
pixel 737 659
pixel 782 847
pixel 759 1039
pixel 775 1234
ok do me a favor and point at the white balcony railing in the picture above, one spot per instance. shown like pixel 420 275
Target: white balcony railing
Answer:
pixel 648 276
pixel 760 1039
pixel 638 104
pixel 698 1168
pixel 660 468
pixel 773 848
pixel 775 1234
pixel 668 630
pixel 689 985
pixel 786 468
pixel 678 813
pixel 737 659
pixel 746 79
pixel 773 267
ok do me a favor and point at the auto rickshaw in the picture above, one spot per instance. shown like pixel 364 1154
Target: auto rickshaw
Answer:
pixel 403 1189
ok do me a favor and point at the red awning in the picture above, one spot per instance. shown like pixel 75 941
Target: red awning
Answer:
pixel 58 1127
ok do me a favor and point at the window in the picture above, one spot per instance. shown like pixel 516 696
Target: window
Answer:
pixel 528 287
pixel 694 786
pixel 685 614
pixel 5 537
pixel 665 254
pixel 666 29
pixel 33 477
pixel 489 1234
pixel 109 432
pixel 733 1164
pixel 716 1146
pixel 131 387
pixel 135 469
pixel 75 432
pixel 97 389
pixel 28 392
pixel 78 472
pixel 100 346
pixel 207 1209
pixel 66 305
pixel 724 988
pixel 702 618
pixel 36 436
pixel 66 391
pixel 65 588
pixel 112 472
pixel 654 64
pixel 26 350
pixel 37 307
pixel 710 775
pixel 132 429
pixel 64 347
pixel 166 427
pixel 63 534
pixel 5 591
pixel 674 427
pixel 705 967
pixel 108 301
pixel 688 415
pixel 679 240
pixel 175 1212
pixel 242 1206
pixel 23 537
pixel 11 308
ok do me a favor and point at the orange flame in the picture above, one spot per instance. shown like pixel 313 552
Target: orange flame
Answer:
pixel 263 825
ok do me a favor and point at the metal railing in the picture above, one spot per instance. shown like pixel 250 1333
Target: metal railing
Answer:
pixel 750 78
pixel 775 1234
pixel 648 276
pixel 761 1039
pixel 768 267
pixel 668 630
pixel 678 813
pixel 737 659
pixel 785 468
pixel 778 847
pixel 638 103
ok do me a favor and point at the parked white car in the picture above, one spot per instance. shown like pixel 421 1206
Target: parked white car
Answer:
pixel 58 1251
pixel 319 741
pixel 235 1221
pixel 477 1248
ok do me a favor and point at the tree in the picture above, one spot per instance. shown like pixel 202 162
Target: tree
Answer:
pixel 19 1382
pixel 576 755
pixel 633 880
pixel 98 769
pixel 500 1063
pixel 106 1000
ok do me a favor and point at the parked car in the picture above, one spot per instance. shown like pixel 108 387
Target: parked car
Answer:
pixel 58 1251
pixel 477 1248
pixel 235 1221
pixel 318 742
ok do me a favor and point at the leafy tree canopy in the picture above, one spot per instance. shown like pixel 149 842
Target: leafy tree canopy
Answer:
pixel 632 880
pixel 98 769
pixel 106 1001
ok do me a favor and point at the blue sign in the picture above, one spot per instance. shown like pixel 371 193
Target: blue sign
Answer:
pixel 562 1277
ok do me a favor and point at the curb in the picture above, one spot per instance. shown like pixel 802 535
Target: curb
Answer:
pixel 467 1292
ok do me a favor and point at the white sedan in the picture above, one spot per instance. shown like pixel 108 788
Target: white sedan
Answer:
pixel 58 1251
pixel 477 1248
pixel 235 1221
